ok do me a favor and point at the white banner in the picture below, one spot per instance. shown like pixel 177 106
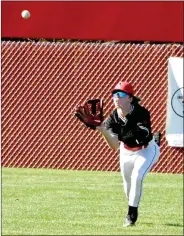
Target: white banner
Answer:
pixel 175 103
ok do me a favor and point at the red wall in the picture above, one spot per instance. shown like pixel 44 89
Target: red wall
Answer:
pixel 126 21
pixel 43 81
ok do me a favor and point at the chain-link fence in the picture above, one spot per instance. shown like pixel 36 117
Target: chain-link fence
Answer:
pixel 43 81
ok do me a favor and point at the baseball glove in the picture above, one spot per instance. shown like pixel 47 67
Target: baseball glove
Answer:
pixel 90 113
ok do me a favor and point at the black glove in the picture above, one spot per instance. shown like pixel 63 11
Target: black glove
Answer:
pixel 90 113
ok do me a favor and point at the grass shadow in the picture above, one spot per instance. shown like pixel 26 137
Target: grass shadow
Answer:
pixel 147 223
pixel 175 225
pixel 168 224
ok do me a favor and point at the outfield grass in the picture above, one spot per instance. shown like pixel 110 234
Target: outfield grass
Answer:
pixel 61 202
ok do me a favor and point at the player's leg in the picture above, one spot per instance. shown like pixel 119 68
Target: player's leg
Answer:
pixel 126 168
pixel 143 162
pixel 146 158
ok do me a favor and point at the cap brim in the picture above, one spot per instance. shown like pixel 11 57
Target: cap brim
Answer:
pixel 120 90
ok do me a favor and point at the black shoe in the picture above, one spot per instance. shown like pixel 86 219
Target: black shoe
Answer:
pixel 128 222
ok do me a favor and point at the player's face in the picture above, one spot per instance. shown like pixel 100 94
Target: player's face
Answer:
pixel 121 99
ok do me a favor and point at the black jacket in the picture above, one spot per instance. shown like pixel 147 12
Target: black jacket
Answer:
pixel 134 129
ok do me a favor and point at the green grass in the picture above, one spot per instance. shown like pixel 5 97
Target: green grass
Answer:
pixel 61 202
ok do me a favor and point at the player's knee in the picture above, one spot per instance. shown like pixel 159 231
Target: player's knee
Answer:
pixel 137 177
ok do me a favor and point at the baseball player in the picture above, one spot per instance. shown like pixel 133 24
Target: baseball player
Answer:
pixel 127 128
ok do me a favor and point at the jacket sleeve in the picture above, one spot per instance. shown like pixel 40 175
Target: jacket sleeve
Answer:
pixel 106 130
pixel 143 128
pixel 112 125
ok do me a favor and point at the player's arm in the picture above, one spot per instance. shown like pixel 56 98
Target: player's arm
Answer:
pixel 143 127
pixel 110 138
pixel 91 114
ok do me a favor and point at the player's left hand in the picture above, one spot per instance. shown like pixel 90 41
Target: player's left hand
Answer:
pixel 90 113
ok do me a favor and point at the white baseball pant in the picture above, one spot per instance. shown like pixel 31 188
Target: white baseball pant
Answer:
pixel 134 166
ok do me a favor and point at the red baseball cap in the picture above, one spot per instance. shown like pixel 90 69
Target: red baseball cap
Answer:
pixel 125 87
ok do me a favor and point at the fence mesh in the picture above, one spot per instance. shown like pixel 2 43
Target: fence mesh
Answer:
pixel 43 81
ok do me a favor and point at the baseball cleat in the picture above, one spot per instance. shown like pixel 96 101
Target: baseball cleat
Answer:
pixel 128 222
